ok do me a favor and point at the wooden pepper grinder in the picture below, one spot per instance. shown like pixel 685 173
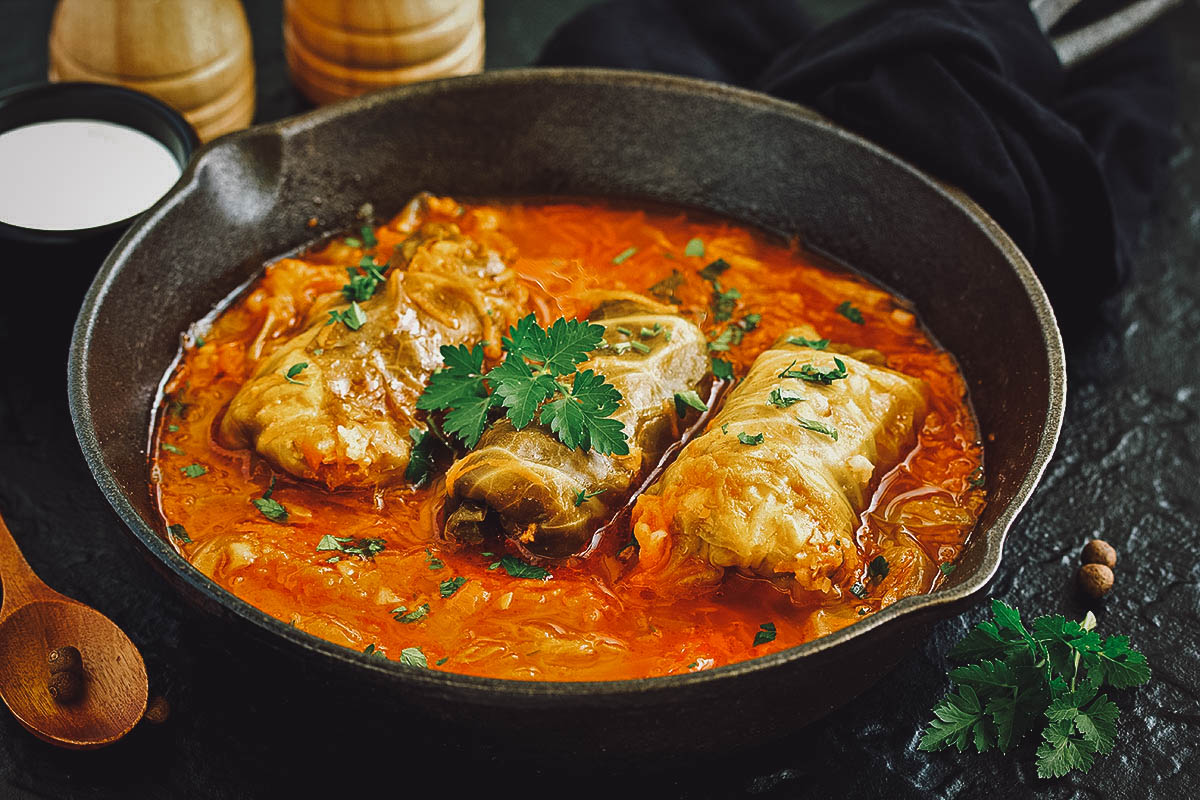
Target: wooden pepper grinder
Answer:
pixel 194 55
pixel 343 48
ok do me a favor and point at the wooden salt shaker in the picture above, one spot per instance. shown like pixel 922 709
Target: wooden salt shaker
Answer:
pixel 194 55
pixel 343 48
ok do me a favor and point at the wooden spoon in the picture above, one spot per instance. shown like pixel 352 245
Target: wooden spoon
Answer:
pixel 34 620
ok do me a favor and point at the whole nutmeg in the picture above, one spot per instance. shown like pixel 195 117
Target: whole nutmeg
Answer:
pixel 66 687
pixel 1098 551
pixel 65 659
pixel 1095 580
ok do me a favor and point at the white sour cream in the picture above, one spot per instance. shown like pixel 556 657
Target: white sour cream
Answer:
pixel 72 174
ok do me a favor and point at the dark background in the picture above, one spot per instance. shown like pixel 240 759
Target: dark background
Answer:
pixel 1126 470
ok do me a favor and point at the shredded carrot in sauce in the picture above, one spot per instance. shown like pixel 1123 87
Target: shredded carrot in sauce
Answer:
pixel 585 622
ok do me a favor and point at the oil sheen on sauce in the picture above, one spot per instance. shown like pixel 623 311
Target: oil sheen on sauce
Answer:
pixel 584 623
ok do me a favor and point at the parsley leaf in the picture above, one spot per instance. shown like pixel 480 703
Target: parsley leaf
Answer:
pixel 373 650
pixel 584 495
pixel 516 568
pixel 365 549
pixel 878 568
pixel 620 257
pixel 686 400
pixel 812 344
pixel 783 398
pixel 293 371
pixel 959 720
pixel 353 317
pixel 946 569
pixel 765 634
pixel 170 448
pixel 194 470
pixel 723 301
pixel 714 270
pixel 694 248
pixel 750 439
pixel 413 657
pixel 817 427
pixel 368 236
pixel 269 508
pixel 402 614
pixel 451 585
pixel 432 561
pixel 722 370
pixel 581 419
pixel 665 289
pixel 420 458
pixel 850 312
pixel 813 374
pixel 179 533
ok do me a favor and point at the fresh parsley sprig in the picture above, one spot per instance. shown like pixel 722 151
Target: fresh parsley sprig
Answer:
pixel 1048 675
pixel 538 379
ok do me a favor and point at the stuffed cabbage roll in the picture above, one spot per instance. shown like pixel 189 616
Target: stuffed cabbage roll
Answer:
pixel 527 485
pixel 775 484
pixel 343 419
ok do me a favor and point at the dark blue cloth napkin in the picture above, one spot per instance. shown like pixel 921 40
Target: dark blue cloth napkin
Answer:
pixel 969 90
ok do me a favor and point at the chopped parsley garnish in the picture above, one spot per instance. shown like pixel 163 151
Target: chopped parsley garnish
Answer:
pixel 878 568
pixel 765 634
pixel 620 257
pixel 442 660
pixel 372 650
pixel 812 344
pixel 750 439
pixel 451 585
pixel 783 397
pixel 1015 679
pixel 850 312
pixel 432 561
pixel 694 248
pixel 976 478
pixel 363 286
pixel 269 508
pixel 173 428
pixel 723 341
pixel 946 569
pixel 413 657
pixel 858 590
pixel 170 448
pixel 815 375
pixel 353 317
pixel 420 458
pixel 584 495
pixel 516 568
pixel 686 400
pixel 665 289
pixel 724 428
pixel 177 408
pixel 179 533
pixel 722 370
pixel 368 236
pixel 817 427
pixel 530 383
pixel 194 470
pixel 724 301
pixel 365 549
pixel 402 614
pixel 352 242
pixel 714 269
pixel 293 371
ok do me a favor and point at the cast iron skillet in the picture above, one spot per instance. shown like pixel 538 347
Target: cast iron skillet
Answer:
pixel 247 198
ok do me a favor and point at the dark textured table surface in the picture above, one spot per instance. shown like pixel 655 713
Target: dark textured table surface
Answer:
pixel 1126 470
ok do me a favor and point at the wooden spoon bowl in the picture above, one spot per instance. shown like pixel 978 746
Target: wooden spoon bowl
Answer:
pixel 35 620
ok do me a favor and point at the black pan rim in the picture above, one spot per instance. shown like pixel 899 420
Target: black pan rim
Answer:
pixel 633 690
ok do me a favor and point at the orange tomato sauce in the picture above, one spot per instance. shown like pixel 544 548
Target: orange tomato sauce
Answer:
pixel 584 623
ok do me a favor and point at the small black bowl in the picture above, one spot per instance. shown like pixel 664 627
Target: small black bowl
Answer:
pixel 46 102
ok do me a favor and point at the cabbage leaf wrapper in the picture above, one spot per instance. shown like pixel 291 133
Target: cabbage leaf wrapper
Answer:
pixel 528 486
pixel 344 418
pixel 775 484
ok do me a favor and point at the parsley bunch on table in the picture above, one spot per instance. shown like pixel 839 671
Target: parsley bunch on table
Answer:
pixel 538 378
pixel 1048 676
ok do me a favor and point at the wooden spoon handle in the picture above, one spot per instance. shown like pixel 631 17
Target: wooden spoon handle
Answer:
pixel 20 583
